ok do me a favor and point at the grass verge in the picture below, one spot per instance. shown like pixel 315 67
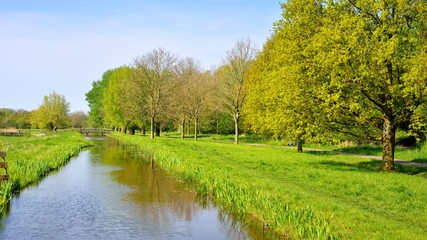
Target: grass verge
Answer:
pixel 30 158
pixel 309 195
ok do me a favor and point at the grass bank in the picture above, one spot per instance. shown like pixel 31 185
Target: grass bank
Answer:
pixel 30 158
pixel 309 195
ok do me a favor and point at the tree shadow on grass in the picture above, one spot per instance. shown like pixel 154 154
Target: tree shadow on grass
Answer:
pixel 373 150
pixel 365 166
pixel 321 153
pixel 411 170
pixel 368 166
pixel 421 160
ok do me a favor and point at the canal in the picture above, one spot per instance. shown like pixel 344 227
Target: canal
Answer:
pixel 112 191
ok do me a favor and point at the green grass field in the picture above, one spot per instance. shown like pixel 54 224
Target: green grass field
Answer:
pixel 308 195
pixel 30 158
pixel 417 154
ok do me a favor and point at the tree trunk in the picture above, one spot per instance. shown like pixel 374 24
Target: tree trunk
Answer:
pixel 299 145
pixel 158 129
pixel 132 130
pixel 182 128
pixel 388 141
pixel 217 126
pixel 143 130
pixel 152 128
pixel 196 123
pixel 236 129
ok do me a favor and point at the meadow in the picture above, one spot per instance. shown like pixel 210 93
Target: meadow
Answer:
pixel 315 195
pixel 33 156
pixel 417 153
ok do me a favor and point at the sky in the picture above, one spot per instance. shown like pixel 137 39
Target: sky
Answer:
pixel 65 45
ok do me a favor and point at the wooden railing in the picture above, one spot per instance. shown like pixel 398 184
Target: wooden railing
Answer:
pixel 94 131
pixel 11 133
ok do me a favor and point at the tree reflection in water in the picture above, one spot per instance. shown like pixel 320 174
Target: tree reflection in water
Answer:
pixel 164 200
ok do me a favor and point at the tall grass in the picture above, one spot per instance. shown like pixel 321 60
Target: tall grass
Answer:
pixel 309 195
pixel 30 158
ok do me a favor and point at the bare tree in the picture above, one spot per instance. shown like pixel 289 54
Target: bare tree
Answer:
pixel 201 87
pixel 154 76
pixel 78 119
pixel 233 75
pixel 185 70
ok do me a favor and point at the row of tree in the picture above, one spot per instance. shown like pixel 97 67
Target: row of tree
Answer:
pixel 10 118
pixel 353 67
pixel 160 90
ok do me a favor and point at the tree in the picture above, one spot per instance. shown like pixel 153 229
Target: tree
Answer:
pixel 118 102
pixel 371 58
pixel 192 89
pixel 154 75
pixel 281 94
pixel 233 78
pixel 10 118
pixel 363 63
pixel 52 113
pixel 185 70
pixel 94 98
pixel 201 86
pixel 78 119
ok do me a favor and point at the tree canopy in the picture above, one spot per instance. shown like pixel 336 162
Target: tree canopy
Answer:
pixel 52 113
pixel 94 97
pixel 361 63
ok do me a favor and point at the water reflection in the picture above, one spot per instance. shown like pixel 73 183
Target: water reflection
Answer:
pixel 115 192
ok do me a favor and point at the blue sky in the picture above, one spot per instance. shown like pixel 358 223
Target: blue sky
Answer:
pixel 63 46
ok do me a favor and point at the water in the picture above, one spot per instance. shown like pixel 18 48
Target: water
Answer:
pixel 113 192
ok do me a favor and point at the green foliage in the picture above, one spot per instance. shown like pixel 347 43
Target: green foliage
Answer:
pixel 311 195
pixel 368 57
pixel 356 67
pixel 10 118
pixel 116 101
pixel 52 113
pixel 282 96
pixel 30 158
pixel 219 123
pixel 94 98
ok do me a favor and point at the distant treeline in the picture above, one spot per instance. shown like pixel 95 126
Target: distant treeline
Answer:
pixel 22 119
pixel 10 118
